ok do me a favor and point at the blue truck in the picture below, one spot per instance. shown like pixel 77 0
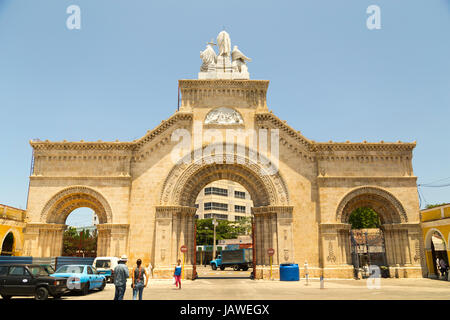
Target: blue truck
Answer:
pixel 239 259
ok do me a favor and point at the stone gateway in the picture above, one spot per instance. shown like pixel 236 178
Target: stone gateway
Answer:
pixel 145 201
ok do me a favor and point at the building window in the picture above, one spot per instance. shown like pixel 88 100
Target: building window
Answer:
pixel 240 209
pixel 196 216
pixel 239 194
pixel 207 216
pixel 215 206
pixel 220 216
pixel 237 218
pixel 216 191
pixel 196 205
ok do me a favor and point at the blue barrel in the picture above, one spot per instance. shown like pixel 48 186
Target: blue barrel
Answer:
pixel 289 272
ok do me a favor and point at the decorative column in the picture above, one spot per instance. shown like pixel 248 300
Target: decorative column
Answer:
pixel 404 250
pixel 113 239
pixel 336 255
pixel 273 229
pixel 174 228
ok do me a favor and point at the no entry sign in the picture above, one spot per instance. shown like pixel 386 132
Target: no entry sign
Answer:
pixel 270 252
pixel 183 249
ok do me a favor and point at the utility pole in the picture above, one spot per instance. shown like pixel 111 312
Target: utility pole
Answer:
pixel 214 243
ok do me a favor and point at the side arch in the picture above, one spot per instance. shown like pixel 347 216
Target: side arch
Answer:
pixel 389 209
pixel 428 238
pixel 65 201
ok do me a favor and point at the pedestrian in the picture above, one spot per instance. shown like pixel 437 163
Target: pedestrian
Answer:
pixel 137 281
pixel 177 274
pixel 443 266
pixel 150 270
pixel 121 275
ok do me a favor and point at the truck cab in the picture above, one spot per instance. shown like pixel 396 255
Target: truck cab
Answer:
pixel 105 267
pixel 217 263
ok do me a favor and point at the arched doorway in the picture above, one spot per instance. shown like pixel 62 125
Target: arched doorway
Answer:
pixel 223 231
pixel 402 241
pixel 57 211
pixel 436 250
pixel 367 242
pixel 8 245
pixel 175 216
pixel 80 237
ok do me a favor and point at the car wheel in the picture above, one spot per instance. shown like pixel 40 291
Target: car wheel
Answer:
pixel 222 268
pixel 245 268
pixel 6 297
pixel 103 285
pixel 214 267
pixel 41 293
pixel 86 288
pixel 236 268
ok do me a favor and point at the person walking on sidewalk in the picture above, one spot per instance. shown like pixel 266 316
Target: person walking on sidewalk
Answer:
pixel 177 274
pixel 138 280
pixel 121 275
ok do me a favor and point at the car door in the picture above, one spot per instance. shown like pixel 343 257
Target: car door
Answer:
pixel 97 277
pixel 90 276
pixel 19 281
pixel 3 275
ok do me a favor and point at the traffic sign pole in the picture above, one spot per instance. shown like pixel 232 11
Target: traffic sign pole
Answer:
pixel 270 252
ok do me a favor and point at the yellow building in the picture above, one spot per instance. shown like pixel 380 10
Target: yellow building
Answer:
pixel 12 222
pixel 436 231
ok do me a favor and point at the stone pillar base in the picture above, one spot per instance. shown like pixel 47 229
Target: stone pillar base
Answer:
pixel 338 272
pixel 166 272
pixel 405 272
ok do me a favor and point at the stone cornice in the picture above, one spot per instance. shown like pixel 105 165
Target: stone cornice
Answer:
pixel 368 177
pixel 38 177
pixel 321 148
pixel 116 145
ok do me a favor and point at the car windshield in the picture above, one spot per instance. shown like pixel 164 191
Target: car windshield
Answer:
pixel 49 269
pixel 103 264
pixel 38 271
pixel 70 269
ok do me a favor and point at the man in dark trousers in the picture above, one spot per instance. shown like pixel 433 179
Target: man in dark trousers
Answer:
pixel 121 275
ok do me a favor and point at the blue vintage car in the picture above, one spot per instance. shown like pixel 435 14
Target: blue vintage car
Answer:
pixel 81 278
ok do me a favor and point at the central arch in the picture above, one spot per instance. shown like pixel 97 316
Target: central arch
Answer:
pixel 174 225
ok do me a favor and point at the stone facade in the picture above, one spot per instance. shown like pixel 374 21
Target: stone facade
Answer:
pixel 146 202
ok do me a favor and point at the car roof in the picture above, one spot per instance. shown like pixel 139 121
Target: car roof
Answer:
pixel 76 265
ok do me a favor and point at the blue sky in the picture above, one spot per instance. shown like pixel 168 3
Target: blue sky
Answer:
pixel 331 77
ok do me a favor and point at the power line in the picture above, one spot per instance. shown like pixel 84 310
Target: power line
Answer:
pixel 430 183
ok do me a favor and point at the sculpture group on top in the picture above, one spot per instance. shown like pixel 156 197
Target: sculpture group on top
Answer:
pixel 227 64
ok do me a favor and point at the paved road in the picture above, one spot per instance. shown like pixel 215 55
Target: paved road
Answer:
pixel 225 288
pixel 236 285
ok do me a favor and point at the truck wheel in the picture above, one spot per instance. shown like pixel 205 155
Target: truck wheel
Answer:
pixel 245 268
pixel 214 267
pixel 222 268
pixel 236 268
pixel 41 293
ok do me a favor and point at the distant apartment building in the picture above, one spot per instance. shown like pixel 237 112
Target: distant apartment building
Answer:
pixel 223 200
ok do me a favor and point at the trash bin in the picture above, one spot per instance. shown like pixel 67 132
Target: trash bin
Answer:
pixel 289 272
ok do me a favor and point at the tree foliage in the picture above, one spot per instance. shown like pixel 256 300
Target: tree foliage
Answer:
pixel 429 206
pixel 363 218
pixel 224 230
pixel 83 243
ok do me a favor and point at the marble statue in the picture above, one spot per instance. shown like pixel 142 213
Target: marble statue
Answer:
pixel 224 43
pixel 208 57
pixel 225 65
pixel 239 59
